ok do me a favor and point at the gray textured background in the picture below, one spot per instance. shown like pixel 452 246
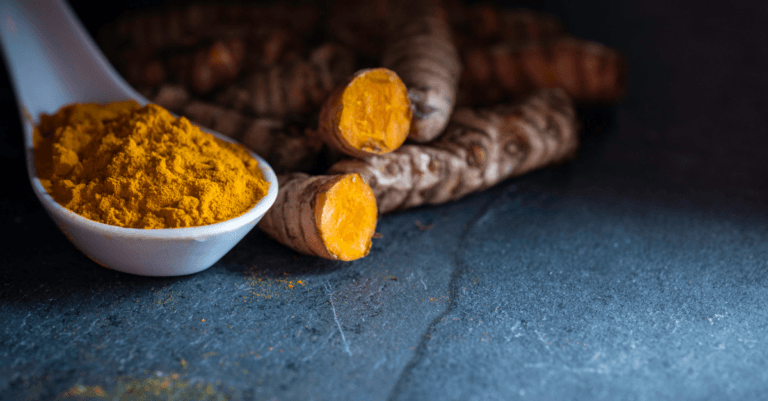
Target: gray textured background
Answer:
pixel 638 271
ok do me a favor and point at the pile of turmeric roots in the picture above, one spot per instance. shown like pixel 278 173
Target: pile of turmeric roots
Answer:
pixel 367 107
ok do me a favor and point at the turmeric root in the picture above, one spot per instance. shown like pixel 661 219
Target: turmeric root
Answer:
pixel 205 58
pixel 589 72
pixel 202 68
pixel 422 53
pixel 149 72
pixel 171 97
pixel 478 150
pixel 167 28
pixel 271 44
pixel 286 147
pixel 224 121
pixel 234 97
pixel 370 114
pixel 299 86
pixel 333 217
pixel 488 23
pixel 186 26
pixel 216 64
pixel 360 25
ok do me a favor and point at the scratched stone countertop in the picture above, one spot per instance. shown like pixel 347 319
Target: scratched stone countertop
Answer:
pixel 637 271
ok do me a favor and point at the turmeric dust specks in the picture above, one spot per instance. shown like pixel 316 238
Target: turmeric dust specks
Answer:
pixel 140 167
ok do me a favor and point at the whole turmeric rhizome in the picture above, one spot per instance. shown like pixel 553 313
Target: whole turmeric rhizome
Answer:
pixel 140 167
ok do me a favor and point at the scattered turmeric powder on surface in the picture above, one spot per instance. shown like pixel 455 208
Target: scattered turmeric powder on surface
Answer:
pixel 159 386
pixel 140 167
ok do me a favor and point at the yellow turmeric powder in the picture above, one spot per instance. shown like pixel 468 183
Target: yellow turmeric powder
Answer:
pixel 140 167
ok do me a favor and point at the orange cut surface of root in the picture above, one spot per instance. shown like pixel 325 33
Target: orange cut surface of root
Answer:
pixel 376 113
pixel 346 217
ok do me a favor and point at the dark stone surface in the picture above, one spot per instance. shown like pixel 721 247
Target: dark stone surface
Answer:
pixel 638 271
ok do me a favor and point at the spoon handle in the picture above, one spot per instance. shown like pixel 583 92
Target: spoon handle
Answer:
pixel 52 60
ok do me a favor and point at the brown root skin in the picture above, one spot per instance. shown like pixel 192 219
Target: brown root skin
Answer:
pixel 589 72
pixel 360 25
pixel 272 43
pixel 285 147
pixel 478 150
pixel 370 114
pixel 186 25
pixel 202 68
pixel 420 50
pixel 151 72
pixel 299 86
pixel 216 64
pixel 332 217
pixel 172 97
pixel 224 121
pixel 167 48
pixel 171 27
pixel 487 23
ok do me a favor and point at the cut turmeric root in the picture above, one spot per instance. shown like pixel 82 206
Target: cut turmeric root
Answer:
pixel 333 217
pixel 478 150
pixel 371 114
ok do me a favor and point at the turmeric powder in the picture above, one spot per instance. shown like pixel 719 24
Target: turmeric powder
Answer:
pixel 140 167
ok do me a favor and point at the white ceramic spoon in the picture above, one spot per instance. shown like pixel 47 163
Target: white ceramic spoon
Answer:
pixel 53 62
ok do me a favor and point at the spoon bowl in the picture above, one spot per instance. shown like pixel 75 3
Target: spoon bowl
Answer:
pixel 151 252
pixel 53 62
